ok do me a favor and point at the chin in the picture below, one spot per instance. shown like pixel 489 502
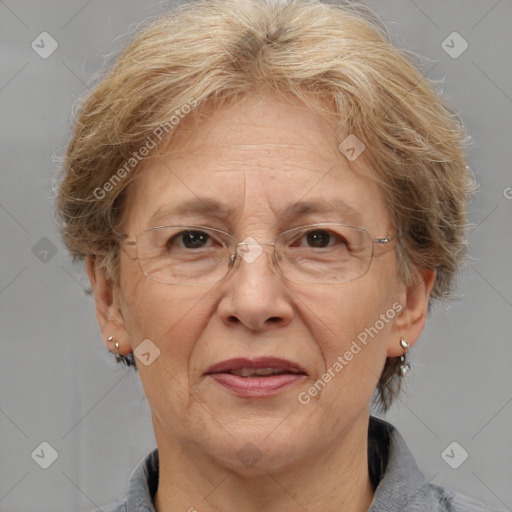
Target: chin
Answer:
pixel 256 448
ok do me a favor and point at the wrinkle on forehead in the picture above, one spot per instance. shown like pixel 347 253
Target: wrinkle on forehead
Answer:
pixel 228 157
pixel 263 150
pixel 260 158
pixel 256 113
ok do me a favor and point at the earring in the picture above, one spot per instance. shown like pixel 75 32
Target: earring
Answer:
pixel 404 367
pixel 119 357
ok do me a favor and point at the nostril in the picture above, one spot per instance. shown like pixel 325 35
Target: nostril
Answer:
pixel 273 319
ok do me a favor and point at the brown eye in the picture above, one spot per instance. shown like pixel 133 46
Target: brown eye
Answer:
pixel 320 238
pixel 189 239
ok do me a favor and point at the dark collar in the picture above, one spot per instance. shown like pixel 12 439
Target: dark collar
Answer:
pixel 398 483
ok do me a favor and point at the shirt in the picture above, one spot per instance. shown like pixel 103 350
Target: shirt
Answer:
pixel 399 484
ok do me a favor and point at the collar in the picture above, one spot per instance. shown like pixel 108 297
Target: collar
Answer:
pixel 401 484
pixel 398 482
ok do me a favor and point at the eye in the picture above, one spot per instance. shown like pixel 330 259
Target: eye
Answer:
pixel 320 238
pixel 190 239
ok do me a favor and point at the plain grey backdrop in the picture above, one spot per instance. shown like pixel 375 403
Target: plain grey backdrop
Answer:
pixel 58 383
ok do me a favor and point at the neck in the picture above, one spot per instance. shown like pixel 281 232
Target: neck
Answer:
pixel 333 481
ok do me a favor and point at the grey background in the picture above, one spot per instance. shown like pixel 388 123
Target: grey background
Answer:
pixel 57 381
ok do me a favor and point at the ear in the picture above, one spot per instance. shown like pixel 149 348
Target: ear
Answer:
pixel 108 312
pixel 410 322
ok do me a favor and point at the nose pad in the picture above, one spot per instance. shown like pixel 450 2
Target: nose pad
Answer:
pixel 250 250
pixel 250 255
pixel 232 260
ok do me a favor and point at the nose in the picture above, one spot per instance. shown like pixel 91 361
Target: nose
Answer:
pixel 254 294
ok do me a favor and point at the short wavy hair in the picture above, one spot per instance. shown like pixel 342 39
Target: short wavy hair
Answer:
pixel 210 52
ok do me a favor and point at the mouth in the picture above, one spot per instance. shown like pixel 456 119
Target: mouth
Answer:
pixel 262 377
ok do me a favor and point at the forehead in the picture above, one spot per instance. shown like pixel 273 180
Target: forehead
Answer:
pixel 262 156
pixel 267 124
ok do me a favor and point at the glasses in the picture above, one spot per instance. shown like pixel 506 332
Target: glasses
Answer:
pixel 321 253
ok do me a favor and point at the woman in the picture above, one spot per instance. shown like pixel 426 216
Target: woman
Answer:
pixel 268 196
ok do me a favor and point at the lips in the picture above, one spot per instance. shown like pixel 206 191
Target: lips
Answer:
pixel 262 377
pixel 250 366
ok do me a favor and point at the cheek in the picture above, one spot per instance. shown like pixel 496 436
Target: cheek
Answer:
pixel 172 317
pixel 339 314
pixel 351 329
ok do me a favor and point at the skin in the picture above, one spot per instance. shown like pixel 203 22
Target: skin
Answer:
pixel 259 158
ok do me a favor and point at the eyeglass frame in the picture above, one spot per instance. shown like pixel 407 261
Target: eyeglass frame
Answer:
pixel 235 255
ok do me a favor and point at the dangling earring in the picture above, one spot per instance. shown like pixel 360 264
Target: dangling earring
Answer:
pixel 119 357
pixel 404 367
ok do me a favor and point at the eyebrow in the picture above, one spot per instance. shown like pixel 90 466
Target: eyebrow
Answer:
pixel 217 209
pixel 195 205
pixel 326 206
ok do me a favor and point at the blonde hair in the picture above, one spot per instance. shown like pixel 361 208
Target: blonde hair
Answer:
pixel 210 52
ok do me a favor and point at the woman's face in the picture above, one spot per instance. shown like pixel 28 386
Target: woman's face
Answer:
pixel 270 167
